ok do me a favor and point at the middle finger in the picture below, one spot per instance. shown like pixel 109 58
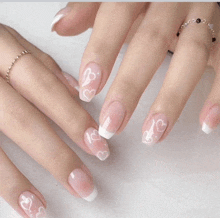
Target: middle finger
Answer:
pixel 145 54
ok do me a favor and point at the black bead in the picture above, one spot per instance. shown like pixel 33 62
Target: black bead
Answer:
pixel 213 39
pixel 178 34
pixel 198 20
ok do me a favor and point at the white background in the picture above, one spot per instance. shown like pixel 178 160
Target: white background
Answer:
pixel 179 178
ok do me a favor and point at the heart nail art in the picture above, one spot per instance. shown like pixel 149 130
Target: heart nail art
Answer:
pixel 155 127
pixel 96 143
pixel 26 203
pixel 161 125
pixel 89 94
pixel 95 135
pixel 31 205
pixel 88 76
pixel 102 155
pixel 91 79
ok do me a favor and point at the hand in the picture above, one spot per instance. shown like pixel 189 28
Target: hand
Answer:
pixel 38 84
pixel 152 30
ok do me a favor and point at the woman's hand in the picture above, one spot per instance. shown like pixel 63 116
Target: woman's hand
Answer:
pixel 38 85
pixel 152 30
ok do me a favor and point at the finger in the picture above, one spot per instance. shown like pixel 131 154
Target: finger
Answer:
pixel 185 70
pixel 111 27
pixel 75 18
pixel 210 114
pixel 36 137
pixel 18 191
pixel 69 81
pixel 144 55
pixel 37 84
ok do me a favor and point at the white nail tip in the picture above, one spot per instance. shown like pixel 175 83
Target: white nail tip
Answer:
pixel 206 128
pixel 92 196
pixel 104 133
pixel 56 20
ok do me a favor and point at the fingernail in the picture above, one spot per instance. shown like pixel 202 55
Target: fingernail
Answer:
pixel 31 205
pixel 154 129
pixel 62 13
pixel 112 119
pixel 71 80
pixel 83 184
pixel 90 82
pixel 96 144
pixel 211 120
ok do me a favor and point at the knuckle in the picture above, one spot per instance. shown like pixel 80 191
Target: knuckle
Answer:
pixel 47 60
pixel 197 46
pixel 156 34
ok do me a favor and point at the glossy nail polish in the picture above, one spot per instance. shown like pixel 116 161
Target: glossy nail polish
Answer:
pixel 71 80
pixel 83 184
pixel 31 205
pixel 62 13
pixel 154 129
pixel 212 119
pixel 113 117
pixel 96 144
pixel 90 82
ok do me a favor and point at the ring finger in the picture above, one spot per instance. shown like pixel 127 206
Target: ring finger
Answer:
pixel 186 67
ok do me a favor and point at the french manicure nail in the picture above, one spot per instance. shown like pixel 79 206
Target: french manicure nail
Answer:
pixel 62 13
pixel 154 129
pixel 83 184
pixel 71 80
pixel 31 205
pixel 96 144
pixel 112 119
pixel 212 119
pixel 90 82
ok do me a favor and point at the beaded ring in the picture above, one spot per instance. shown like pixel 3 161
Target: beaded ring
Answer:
pixel 7 77
pixel 198 21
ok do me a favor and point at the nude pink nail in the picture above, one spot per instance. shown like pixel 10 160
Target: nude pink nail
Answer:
pixel 71 80
pixel 31 205
pixel 154 129
pixel 96 144
pixel 112 119
pixel 212 119
pixel 90 82
pixel 60 15
pixel 83 184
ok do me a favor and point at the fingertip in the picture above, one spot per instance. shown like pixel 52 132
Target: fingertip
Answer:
pixel 59 16
pixel 77 19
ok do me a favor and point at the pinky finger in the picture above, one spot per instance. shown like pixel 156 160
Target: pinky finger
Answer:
pixel 210 114
pixel 18 191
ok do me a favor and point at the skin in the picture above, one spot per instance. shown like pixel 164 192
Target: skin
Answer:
pixel 38 89
pixel 149 37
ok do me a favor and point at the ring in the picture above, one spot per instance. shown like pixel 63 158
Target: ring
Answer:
pixel 198 21
pixel 7 77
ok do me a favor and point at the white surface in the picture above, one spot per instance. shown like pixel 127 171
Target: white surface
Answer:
pixel 178 178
